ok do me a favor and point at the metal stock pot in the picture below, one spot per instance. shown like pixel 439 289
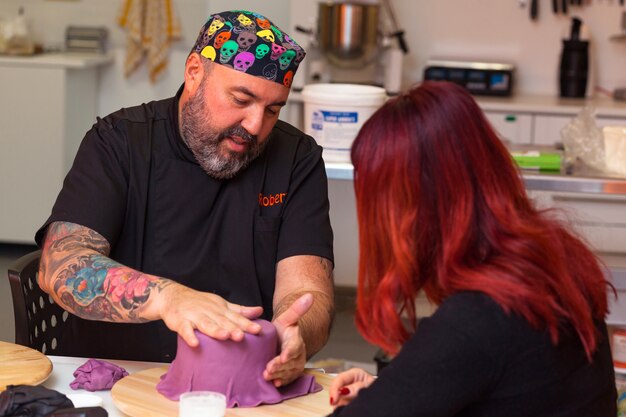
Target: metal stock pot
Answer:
pixel 348 33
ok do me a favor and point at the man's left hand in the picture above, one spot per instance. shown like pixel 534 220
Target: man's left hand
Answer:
pixel 289 364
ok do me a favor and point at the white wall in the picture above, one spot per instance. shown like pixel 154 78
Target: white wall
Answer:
pixel 490 30
pixel 499 30
pixel 49 18
pixel 494 30
pixel 463 29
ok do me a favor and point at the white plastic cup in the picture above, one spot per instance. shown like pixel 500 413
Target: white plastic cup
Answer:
pixel 334 114
pixel 202 404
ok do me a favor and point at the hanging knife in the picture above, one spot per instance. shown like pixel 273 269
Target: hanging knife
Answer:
pixel 555 6
pixel 534 9
pixel 564 6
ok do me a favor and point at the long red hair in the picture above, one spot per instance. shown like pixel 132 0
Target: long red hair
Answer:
pixel 442 208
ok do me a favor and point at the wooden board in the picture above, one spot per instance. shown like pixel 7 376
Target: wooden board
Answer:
pixel 136 395
pixel 22 365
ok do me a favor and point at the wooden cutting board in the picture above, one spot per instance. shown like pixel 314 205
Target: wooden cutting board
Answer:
pixel 136 395
pixel 22 365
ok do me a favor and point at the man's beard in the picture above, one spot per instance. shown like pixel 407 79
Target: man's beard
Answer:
pixel 206 143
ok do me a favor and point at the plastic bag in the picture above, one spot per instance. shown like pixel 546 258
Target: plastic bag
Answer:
pixel 32 401
pixel 583 141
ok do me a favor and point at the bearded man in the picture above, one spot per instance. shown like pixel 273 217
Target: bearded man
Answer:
pixel 199 212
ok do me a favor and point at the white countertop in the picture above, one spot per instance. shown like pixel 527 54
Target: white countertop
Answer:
pixel 63 368
pixel 70 60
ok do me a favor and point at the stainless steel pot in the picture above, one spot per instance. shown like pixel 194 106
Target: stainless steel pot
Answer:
pixel 348 33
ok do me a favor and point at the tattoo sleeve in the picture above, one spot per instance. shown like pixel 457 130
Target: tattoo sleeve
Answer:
pixel 76 270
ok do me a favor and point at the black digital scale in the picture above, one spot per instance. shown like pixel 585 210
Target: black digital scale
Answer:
pixel 480 78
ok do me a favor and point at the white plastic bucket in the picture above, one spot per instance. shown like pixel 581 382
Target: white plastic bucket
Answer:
pixel 334 113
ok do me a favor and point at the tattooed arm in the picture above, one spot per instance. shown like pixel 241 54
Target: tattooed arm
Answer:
pixel 303 312
pixel 76 271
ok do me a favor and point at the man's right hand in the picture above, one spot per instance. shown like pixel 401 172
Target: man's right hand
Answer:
pixel 183 310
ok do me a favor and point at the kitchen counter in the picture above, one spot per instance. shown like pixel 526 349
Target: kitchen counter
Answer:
pixel 522 119
pixel 42 131
pixel 585 189
pixel 547 104
pixel 76 60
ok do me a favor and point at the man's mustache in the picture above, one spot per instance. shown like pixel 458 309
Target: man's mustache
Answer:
pixel 238 131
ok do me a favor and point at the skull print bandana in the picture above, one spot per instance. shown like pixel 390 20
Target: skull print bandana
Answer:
pixel 250 43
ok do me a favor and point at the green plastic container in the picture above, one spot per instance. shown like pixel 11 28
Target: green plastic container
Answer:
pixel 541 161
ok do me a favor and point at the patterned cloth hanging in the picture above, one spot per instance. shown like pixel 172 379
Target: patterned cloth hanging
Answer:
pixel 151 26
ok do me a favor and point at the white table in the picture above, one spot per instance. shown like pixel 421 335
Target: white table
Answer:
pixel 63 368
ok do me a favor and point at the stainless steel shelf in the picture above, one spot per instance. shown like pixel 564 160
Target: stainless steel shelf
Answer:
pixel 575 183
pixel 579 182
pixel 339 171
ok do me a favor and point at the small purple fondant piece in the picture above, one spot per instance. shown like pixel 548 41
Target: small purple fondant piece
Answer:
pixel 97 375
pixel 233 368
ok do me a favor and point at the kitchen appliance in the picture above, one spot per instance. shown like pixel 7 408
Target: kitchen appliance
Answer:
pixel 86 39
pixel 480 78
pixel 351 44
pixel 348 34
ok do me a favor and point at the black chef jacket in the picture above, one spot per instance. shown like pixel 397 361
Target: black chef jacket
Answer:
pixel 136 183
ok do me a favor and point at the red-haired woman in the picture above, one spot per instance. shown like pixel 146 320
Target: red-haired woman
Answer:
pixel 519 329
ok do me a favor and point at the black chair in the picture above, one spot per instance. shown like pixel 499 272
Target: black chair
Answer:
pixel 38 319
pixel 43 325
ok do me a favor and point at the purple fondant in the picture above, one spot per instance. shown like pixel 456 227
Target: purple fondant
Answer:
pixel 233 368
pixel 97 375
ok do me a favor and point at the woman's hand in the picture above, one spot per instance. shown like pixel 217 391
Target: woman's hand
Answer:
pixel 346 386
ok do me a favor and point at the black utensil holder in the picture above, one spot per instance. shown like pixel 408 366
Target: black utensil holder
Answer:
pixel 574 68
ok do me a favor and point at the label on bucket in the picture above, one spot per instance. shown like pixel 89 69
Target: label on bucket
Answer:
pixel 335 129
pixel 340 116
pixel 322 119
